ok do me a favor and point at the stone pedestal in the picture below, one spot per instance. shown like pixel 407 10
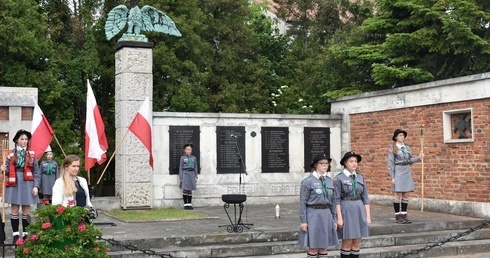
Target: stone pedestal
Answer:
pixel 134 82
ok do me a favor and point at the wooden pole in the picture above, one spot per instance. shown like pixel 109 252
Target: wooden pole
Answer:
pixel 112 156
pixel 422 161
pixel 59 145
pixel 5 147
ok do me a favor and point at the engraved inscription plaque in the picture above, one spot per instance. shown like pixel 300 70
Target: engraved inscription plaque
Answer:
pixel 178 136
pixel 227 139
pixel 275 149
pixel 317 140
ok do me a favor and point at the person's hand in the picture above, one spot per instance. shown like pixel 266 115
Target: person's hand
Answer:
pixel 304 227
pixel 421 155
pixel 181 180
pixel 369 221
pixel 393 181
pixel 340 223
pixel 3 168
pixel 35 191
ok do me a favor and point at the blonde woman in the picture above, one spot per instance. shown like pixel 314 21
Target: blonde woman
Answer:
pixel 70 188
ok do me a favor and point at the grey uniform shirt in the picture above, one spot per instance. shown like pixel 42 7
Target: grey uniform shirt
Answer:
pixel 312 193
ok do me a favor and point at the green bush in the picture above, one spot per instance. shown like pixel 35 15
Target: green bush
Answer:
pixel 61 232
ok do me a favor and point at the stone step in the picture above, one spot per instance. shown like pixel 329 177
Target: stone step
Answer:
pixel 290 249
pixel 380 235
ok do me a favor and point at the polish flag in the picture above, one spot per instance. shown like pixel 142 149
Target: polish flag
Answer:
pixel 42 133
pixel 95 139
pixel 141 127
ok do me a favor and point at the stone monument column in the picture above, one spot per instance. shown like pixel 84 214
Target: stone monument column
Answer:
pixel 134 82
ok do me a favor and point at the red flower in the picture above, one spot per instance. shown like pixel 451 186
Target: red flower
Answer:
pixel 25 250
pixel 20 241
pixel 71 202
pixel 46 225
pixel 82 227
pixel 96 249
pixel 60 209
pixel 46 202
pixel 34 237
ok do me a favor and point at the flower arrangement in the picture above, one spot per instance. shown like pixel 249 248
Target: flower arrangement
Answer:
pixel 61 232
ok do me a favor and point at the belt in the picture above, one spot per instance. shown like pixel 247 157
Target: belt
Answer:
pixel 318 206
pixel 402 164
pixel 350 198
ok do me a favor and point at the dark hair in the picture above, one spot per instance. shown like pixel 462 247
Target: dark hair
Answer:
pixel 188 145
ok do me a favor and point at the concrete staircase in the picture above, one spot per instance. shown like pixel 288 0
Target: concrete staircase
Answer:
pixel 385 241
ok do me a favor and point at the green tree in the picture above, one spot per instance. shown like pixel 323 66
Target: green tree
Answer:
pixel 409 42
pixel 25 46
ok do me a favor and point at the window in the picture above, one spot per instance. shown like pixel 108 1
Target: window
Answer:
pixel 458 125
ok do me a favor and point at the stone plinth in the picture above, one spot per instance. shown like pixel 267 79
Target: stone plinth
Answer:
pixel 134 82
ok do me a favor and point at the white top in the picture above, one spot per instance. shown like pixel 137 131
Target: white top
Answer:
pixel 59 192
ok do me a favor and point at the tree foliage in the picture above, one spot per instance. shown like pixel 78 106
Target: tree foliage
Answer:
pixel 409 42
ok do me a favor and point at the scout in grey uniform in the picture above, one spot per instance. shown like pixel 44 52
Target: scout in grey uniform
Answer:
pixel 353 209
pixel 22 182
pixel 188 175
pixel 317 211
pixel 50 172
pixel 399 161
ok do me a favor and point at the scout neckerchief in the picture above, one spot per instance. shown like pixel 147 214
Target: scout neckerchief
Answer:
pixel 353 181
pixel 189 162
pixel 324 184
pixel 49 169
pixel 22 158
pixel 403 148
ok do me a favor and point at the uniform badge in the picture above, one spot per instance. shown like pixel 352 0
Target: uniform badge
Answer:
pixel 318 191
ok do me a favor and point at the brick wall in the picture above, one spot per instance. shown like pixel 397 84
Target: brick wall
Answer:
pixel 452 171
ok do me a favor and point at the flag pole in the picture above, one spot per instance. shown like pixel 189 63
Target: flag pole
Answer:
pixel 112 156
pixel 422 161
pixel 5 146
pixel 56 138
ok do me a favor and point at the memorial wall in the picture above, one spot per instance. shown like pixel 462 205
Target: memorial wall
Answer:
pixel 262 156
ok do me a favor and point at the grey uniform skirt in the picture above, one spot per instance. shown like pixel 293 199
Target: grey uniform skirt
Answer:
pixel 403 179
pixel 21 193
pixel 47 182
pixel 355 223
pixel 320 233
pixel 188 180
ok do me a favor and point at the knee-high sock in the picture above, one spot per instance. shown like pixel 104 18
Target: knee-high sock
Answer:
pixel 404 206
pixel 325 255
pixel 14 220
pixel 190 199
pixel 344 253
pixel 396 206
pixel 184 196
pixel 25 223
pixel 354 253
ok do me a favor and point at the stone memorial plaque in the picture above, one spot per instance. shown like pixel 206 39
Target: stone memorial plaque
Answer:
pixel 228 140
pixel 179 136
pixel 275 149
pixel 317 140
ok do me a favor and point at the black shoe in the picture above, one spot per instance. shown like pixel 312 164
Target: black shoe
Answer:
pixel 190 207
pixel 16 237
pixel 25 237
pixel 186 207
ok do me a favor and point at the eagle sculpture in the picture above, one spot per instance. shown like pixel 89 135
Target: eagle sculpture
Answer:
pixel 145 19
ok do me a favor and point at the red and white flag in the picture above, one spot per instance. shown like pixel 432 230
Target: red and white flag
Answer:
pixel 95 139
pixel 141 127
pixel 42 133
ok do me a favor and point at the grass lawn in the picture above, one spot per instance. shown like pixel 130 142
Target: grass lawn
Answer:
pixel 171 213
